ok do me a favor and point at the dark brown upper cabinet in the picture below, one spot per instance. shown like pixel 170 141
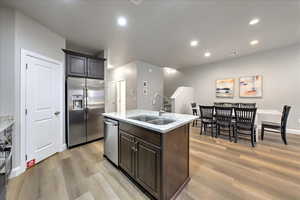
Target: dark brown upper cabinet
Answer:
pixel 76 65
pixel 83 65
pixel 95 68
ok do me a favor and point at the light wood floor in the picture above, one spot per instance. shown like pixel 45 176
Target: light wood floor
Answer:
pixel 219 170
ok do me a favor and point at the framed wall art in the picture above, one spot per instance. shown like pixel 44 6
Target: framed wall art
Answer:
pixel 225 88
pixel 251 86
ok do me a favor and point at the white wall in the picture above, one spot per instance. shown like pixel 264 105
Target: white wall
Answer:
pixel 7 61
pixel 182 98
pixel 154 77
pixel 281 78
pixel 129 74
pixel 78 48
pixel 24 33
pixel 135 73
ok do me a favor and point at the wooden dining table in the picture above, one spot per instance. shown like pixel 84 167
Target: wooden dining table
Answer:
pixel 271 115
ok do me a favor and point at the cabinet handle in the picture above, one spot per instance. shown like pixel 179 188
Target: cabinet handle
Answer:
pixel 134 149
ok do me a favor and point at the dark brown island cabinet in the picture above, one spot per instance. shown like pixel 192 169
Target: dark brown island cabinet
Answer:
pixel 83 65
pixel 157 162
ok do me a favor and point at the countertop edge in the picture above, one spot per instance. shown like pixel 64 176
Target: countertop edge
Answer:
pixel 133 122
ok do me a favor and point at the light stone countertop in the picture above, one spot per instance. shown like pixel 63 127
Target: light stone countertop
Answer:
pixel 180 119
pixel 6 122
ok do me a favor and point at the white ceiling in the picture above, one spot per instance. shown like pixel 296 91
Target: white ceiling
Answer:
pixel 159 31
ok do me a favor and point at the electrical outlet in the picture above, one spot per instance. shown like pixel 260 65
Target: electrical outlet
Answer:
pixel 299 120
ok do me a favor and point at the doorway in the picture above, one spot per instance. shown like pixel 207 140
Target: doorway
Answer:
pixel 42 104
pixel 120 97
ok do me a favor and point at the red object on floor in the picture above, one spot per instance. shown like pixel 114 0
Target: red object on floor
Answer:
pixel 31 163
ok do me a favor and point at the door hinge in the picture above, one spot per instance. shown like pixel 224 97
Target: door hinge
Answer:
pixel 26 157
pixel 26 111
pixel 26 66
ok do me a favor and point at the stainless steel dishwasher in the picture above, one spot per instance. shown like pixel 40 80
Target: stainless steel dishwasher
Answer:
pixel 111 132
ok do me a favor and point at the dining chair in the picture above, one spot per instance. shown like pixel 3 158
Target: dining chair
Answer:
pixel 277 127
pixel 245 123
pixel 227 104
pixel 219 104
pixel 207 118
pixel 224 120
pixel 194 105
pixel 235 105
pixel 247 105
pixel 195 113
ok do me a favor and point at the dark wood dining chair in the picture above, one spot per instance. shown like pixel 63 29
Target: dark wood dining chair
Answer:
pixel 277 127
pixel 195 113
pixel 235 105
pixel 227 104
pixel 245 123
pixel 219 104
pixel 247 105
pixel 224 120
pixel 207 118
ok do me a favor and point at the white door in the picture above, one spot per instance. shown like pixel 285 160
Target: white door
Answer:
pixel 121 95
pixel 44 110
pixel 112 101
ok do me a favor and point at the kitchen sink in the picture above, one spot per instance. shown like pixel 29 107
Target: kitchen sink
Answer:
pixel 152 119
pixel 161 121
pixel 144 118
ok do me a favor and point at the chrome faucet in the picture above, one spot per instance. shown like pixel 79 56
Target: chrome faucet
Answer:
pixel 161 111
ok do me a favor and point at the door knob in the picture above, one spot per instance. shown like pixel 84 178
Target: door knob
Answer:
pixel 57 113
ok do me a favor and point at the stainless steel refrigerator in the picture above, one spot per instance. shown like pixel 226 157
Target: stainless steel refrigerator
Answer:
pixel 85 105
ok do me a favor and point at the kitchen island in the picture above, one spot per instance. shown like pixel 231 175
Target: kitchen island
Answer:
pixel 154 150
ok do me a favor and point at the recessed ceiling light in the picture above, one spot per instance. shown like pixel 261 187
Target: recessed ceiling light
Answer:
pixel 254 42
pixel 170 70
pixel 254 21
pixel 207 54
pixel 194 43
pixel 122 21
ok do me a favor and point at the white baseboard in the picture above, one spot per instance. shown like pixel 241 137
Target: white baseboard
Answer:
pixel 288 130
pixel 293 131
pixel 63 147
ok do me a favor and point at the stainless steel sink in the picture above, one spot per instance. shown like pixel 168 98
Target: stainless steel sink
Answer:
pixel 144 118
pixel 161 121
pixel 152 119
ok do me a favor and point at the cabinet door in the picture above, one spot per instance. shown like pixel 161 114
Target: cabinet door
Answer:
pixel 126 153
pixel 76 65
pixel 148 167
pixel 95 68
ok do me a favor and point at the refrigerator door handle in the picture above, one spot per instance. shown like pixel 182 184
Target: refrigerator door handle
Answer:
pixel 84 99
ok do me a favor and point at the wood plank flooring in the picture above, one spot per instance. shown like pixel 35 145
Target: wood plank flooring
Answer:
pixel 219 170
